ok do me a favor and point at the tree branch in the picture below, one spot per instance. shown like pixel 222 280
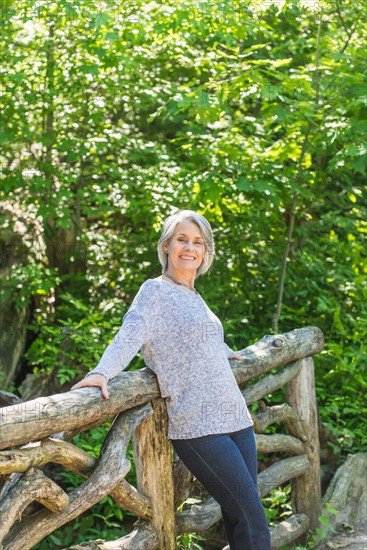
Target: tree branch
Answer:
pixel 33 485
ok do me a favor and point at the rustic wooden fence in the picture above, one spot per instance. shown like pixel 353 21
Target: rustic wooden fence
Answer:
pixel 162 483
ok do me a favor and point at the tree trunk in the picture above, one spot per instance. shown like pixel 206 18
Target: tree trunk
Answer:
pixel 154 473
pixel 306 490
pixel 347 493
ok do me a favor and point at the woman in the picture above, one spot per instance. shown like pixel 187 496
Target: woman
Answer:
pixel 181 340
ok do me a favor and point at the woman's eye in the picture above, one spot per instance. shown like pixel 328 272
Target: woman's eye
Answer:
pixel 181 239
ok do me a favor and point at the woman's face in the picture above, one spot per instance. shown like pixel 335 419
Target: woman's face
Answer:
pixel 187 247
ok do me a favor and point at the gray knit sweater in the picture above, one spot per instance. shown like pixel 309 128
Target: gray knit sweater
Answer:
pixel 181 341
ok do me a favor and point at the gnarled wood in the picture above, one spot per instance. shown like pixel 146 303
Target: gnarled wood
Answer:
pixel 279 443
pixel 347 493
pixel 154 475
pixel 287 531
pixel 39 418
pixel 76 460
pixel 306 490
pixel 198 518
pixel 182 482
pixel 40 453
pixel 7 398
pixel 279 413
pixel 271 382
pixel 111 467
pixel 280 472
pixel 162 486
pixel 129 498
pixel 274 350
pixel 346 540
pixel 33 485
pixel 44 416
pixel 143 537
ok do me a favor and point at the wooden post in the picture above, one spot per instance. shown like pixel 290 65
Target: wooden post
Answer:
pixel 301 395
pixel 154 471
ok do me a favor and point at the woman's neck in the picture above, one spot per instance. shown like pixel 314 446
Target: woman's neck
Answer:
pixel 185 278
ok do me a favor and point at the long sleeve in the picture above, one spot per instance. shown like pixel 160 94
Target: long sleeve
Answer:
pixel 229 351
pixel 182 342
pixel 132 334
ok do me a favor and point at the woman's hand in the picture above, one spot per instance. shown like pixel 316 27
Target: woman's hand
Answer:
pixel 97 380
pixel 236 356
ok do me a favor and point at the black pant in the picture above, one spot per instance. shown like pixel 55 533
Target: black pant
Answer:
pixel 226 465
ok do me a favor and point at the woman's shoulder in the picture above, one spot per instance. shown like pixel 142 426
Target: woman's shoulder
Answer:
pixel 150 287
pixel 147 295
pixel 151 284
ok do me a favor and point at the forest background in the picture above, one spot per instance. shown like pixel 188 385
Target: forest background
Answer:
pixel 116 114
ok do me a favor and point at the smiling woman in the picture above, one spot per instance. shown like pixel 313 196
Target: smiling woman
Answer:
pixel 186 243
pixel 185 251
pixel 182 342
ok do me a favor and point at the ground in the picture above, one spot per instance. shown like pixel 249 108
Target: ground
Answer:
pixel 352 540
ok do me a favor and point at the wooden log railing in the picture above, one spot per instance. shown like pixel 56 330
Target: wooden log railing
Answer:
pixel 38 432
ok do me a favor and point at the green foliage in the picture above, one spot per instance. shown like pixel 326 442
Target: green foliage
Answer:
pixel 324 531
pixel 277 505
pixel 24 281
pixel 188 540
pixel 90 526
pixel 74 341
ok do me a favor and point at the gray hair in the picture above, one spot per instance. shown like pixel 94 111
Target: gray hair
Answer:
pixel 168 230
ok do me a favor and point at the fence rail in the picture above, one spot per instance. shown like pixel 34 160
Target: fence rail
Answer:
pixel 38 432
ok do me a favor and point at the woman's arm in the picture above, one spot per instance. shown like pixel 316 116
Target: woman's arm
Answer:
pixel 126 343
